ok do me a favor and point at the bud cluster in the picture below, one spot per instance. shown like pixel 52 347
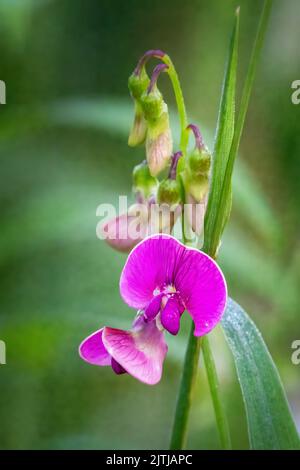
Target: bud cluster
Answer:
pixel 187 181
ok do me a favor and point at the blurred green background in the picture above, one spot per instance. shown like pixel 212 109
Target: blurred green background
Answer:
pixel 63 151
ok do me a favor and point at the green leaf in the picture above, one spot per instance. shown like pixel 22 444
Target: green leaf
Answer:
pixel 223 141
pixel 222 208
pixel 270 423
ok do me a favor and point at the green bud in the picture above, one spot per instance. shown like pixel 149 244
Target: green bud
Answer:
pixel 138 84
pixel 143 182
pixel 196 173
pixel 168 192
pixel 139 127
pixel 153 105
pixel 159 144
pixel 198 161
pixel 197 186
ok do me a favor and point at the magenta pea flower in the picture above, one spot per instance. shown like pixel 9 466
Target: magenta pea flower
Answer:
pixel 139 352
pixel 161 279
pixel 123 232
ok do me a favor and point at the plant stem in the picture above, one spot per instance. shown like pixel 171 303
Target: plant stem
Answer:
pixel 184 401
pixel 212 377
pixel 179 101
pixel 190 367
pixel 179 432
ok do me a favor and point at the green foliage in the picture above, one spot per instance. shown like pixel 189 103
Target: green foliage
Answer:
pixel 214 224
pixel 270 423
pixel 63 151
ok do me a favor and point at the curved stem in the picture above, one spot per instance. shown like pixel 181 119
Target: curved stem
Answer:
pixel 173 169
pixel 179 101
pixel 155 74
pixel 161 55
pixel 197 135
pixel 184 401
pixel 212 377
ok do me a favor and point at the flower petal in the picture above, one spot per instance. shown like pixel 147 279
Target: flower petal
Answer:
pixel 117 368
pixel 124 232
pixel 140 352
pixel 202 288
pixel 92 350
pixel 158 149
pixel 151 265
pixel 153 308
pixel 170 316
pixel 160 261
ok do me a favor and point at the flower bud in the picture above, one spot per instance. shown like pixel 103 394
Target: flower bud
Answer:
pixel 199 161
pixel 168 192
pixel 139 128
pixel 195 212
pixel 196 185
pixel 153 105
pixel 159 138
pixel 124 232
pixel 163 217
pixel 196 173
pixel 138 84
pixel 159 144
pixel 143 182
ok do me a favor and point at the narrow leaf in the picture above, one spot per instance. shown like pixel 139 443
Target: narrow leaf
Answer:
pixel 223 208
pixel 223 141
pixel 270 423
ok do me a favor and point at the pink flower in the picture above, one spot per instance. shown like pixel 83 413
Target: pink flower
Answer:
pixel 161 279
pixel 146 218
pixel 123 232
pixel 140 351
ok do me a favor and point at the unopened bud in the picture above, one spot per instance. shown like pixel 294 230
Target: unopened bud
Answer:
pixel 195 212
pixel 196 173
pixel 124 232
pixel 139 128
pixel 138 83
pixel 168 192
pixel 198 161
pixel 153 105
pixel 196 185
pixel 143 182
pixel 159 138
pixel 159 144
pixel 163 217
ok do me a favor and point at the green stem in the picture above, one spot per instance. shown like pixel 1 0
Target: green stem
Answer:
pixel 190 367
pixel 184 401
pixel 180 103
pixel 179 432
pixel 212 377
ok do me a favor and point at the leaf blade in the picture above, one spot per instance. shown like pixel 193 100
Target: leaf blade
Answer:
pixel 221 214
pixel 223 140
pixel 270 423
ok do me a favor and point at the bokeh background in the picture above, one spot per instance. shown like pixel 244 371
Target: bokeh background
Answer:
pixel 63 150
